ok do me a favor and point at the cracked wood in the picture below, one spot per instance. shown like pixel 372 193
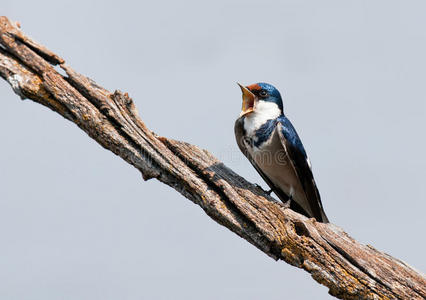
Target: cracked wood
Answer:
pixel 349 269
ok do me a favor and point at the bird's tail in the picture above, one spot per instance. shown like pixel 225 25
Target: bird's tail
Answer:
pixel 321 217
pixel 324 217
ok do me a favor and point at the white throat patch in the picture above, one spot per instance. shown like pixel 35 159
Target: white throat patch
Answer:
pixel 263 112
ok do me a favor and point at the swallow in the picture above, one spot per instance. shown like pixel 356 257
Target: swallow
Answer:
pixel 271 144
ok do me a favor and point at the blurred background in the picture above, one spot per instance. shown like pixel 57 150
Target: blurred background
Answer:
pixel 77 222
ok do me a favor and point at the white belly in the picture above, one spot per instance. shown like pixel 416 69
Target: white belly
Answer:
pixel 273 160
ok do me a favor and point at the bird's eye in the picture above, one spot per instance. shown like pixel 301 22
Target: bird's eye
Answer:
pixel 263 93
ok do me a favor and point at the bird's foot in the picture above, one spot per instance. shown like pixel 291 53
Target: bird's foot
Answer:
pixel 267 192
pixel 286 204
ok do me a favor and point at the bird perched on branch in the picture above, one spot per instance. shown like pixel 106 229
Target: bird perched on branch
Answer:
pixel 270 142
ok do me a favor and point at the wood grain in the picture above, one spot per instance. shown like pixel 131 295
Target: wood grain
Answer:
pixel 349 269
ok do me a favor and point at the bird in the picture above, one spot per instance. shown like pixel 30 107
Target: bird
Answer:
pixel 270 142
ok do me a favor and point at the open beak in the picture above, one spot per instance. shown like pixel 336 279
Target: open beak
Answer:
pixel 248 100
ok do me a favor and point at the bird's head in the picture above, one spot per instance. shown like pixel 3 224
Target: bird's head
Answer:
pixel 260 97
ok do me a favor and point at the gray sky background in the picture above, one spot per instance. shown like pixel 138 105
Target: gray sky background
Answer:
pixel 77 222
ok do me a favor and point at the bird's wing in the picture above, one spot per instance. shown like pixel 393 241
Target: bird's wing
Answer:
pixel 239 135
pixel 300 162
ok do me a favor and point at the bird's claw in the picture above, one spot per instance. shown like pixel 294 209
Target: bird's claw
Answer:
pixel 267 192
pixel 286 204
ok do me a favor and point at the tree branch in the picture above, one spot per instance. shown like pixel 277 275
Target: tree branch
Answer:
pixel 349 269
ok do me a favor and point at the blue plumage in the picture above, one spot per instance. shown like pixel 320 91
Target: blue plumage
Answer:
pixel 273 94
pixel 262 130
pixel 291 135
pixel 264 133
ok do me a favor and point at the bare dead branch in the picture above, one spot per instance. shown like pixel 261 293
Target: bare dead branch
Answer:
pixel 349 269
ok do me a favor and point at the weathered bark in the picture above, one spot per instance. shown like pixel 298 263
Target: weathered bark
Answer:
pixel 349 269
